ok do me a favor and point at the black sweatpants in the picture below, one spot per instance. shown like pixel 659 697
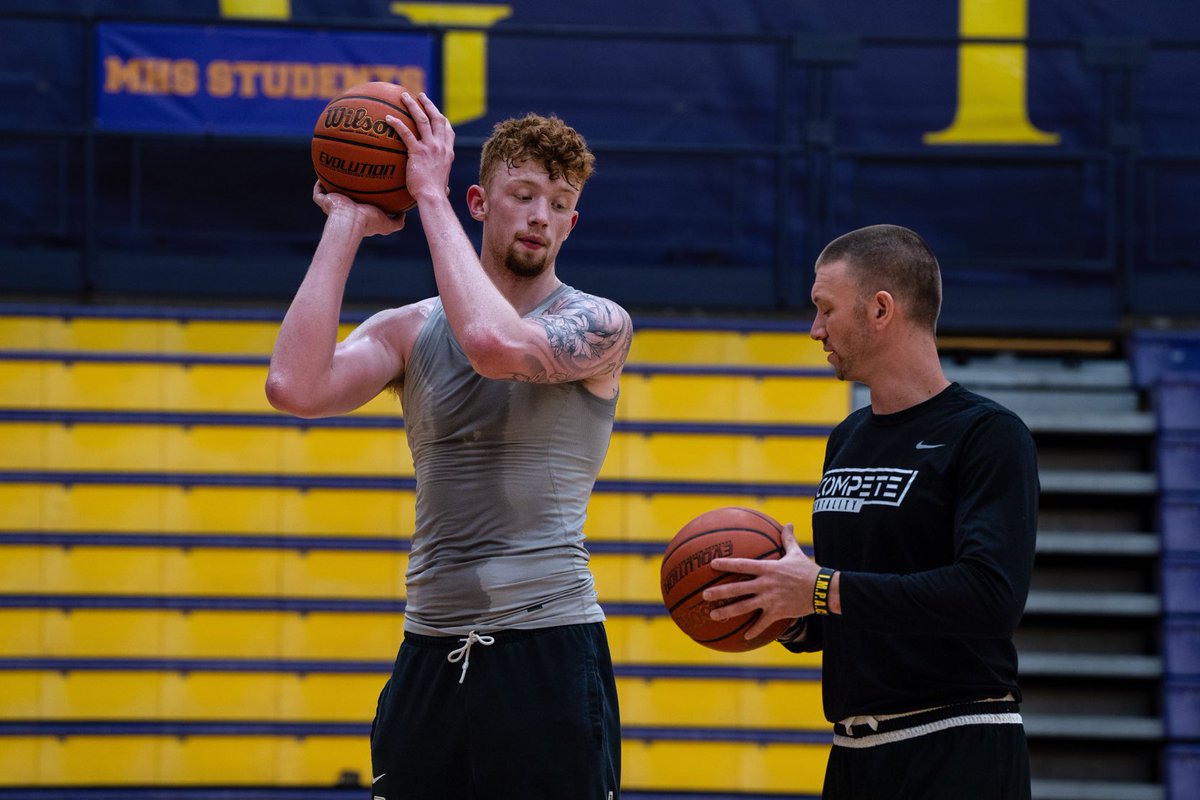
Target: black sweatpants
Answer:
pixel 535 716
pixel 972 762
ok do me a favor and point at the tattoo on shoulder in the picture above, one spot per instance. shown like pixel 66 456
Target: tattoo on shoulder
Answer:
pixel 584 330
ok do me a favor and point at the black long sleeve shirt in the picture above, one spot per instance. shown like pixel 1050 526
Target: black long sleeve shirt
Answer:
pixel 930 514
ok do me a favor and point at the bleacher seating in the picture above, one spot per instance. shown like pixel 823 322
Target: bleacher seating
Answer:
pixel 1168 367
pixel 199 591
pixel 190 579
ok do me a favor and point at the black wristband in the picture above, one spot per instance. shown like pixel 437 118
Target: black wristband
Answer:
pixel 821 591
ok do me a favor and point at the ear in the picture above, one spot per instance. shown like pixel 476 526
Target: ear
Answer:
pixel 881 310
pixel 477 202
pixel 574 219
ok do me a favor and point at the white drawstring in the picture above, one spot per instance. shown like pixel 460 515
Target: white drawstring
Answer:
pixel 850 722
pixel 464 653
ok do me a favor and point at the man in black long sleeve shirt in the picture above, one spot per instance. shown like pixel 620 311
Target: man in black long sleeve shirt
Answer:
pixel 923 533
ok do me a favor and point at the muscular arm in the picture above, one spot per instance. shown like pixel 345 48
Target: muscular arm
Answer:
pixel 580 338
pixel 311 374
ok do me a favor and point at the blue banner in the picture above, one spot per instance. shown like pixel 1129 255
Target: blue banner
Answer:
pixel 248 80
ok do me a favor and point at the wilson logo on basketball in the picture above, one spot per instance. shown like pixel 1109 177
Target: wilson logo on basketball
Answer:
pixel 697 559
pixel 357 119
pixel 356 153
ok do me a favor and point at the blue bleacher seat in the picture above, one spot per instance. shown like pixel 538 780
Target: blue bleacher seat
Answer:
pixel 1180 577
pixel 1177 401
pixel 1155 353
pixel 1182 713
pixel 1183 772
pixel 1179 462
pixel 1181 645
pixel 1179 521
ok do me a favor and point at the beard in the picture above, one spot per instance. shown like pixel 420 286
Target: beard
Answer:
pixel 527 266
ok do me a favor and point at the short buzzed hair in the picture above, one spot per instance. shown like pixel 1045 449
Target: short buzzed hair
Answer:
pixel 895 260
pixel 546 141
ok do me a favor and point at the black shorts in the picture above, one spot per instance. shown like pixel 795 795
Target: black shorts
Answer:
pixel 980 762
pixel 535 716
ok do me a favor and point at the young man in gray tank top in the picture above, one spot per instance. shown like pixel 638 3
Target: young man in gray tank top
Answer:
pixel 503 686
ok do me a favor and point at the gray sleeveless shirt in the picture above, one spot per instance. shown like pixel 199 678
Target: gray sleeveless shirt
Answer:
pixel 504 472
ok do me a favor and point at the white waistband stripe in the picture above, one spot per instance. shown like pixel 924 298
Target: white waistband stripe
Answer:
pixel 876 739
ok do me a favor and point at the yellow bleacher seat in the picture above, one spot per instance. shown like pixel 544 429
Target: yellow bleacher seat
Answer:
pixel 123 335
pixel 135 386
pixel 190 696
pixel 202 571
pixel 115 507
pixel 770 399
pixel 723 766
pixel 38 505
pixel 97 761
pixel 238 388
pixel 216 448
pixel 313 635
pixel 316 697
pixel 262 572
pixel 247 449
pixel 257 337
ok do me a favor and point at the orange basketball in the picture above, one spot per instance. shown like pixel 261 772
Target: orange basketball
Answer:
pixel 356 153
pixel 731 532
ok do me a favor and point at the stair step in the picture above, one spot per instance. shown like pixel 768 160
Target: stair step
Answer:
pixel 1093 726
pixel 1090 665
pixel 1095 790
pixel 1119 423
pixel 1106 482
pixel 1099 604
pixel 1003 372
pixel 1034 401
pixel 1115 543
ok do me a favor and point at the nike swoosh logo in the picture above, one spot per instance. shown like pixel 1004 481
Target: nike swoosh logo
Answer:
pixel 923 446
pixel 375 780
